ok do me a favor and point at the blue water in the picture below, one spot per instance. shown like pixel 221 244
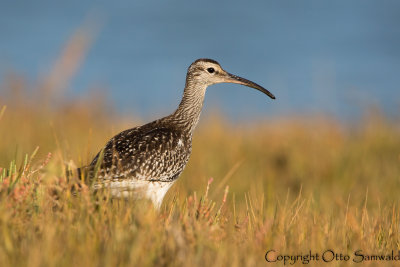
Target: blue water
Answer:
pixel 335 57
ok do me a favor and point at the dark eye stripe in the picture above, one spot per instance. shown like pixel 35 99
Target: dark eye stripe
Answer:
pixel 210 70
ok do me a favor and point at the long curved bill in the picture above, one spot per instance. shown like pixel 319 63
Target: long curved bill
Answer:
pixel 239 80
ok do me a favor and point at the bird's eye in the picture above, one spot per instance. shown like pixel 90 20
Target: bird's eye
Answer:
pixel 210 70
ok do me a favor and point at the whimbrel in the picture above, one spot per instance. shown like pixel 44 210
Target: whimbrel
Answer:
pixel 146 160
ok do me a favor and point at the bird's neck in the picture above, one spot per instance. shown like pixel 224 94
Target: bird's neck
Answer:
pixel 188 113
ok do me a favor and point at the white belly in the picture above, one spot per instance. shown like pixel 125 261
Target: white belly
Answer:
pixel 155 191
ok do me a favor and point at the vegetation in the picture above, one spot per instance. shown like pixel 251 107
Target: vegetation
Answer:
pixel 290 184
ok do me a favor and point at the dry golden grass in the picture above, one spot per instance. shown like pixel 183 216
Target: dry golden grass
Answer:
pixel 290 184
pixel 294 185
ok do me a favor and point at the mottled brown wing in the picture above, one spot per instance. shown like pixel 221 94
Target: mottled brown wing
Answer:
pixel 144 153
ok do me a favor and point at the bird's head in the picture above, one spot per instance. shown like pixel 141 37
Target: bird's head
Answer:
pixel 208 72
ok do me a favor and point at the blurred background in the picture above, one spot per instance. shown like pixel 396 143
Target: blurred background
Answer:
pixel 318 168
pixel 335 58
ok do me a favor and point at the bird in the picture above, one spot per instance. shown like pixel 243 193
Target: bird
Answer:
pixel 145 161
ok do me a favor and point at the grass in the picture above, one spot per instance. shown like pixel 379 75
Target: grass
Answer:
pixel 290 185
pixel 287 184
